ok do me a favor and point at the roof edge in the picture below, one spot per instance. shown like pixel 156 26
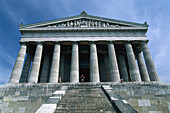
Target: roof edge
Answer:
pixel 84 14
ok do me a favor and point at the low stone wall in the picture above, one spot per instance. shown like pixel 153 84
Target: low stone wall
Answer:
pixel 24 98
pixel 145 97
pixel 27 98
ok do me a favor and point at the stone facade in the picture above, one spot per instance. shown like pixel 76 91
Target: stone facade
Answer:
pixel 111 55
pixel 81 44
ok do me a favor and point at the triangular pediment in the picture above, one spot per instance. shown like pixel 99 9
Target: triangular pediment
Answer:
pixel 84 21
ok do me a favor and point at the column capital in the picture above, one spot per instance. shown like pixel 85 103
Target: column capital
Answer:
pixel 144 41
pixel 92 42
pixel 29 51
pixel 73 42
pixel 23 43
pixel 108 42
pixel 42 43
pixel 127 42
pixel 57 42
pixel 137 51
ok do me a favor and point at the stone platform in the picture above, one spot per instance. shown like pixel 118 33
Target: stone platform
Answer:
pixel 151 97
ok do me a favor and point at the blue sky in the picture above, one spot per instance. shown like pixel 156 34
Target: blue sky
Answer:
pixel 155 12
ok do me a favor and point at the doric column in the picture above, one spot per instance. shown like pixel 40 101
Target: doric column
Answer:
pixel 149 63
pixel 142 68
pixel 122 67
pixel 45 68
pixel 16 73
pixel 115 76
pixel 26 69
pixel 36 64
pixel 94 68
pixel 133 69
pixel 54 73
pixel 74 72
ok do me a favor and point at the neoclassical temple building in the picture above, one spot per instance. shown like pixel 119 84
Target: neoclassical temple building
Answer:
pixel 100 49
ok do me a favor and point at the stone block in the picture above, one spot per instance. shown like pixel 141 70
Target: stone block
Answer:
pixel 153 108
pixel 144 102
pixel 4 105
pixel 7 110
pixel 122 93
pixel 15 98
pixel 47 108
pixel 52 101
pixel 144 109
pixel 22 110
pixel 17 93
pixel 168 104
pixel 155 112
pixel 134 102
pixel 138 109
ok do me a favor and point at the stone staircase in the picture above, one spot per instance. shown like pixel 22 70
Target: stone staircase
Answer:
pixel 85 98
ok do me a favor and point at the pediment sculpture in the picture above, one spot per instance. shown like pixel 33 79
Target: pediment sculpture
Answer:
pixel 83 23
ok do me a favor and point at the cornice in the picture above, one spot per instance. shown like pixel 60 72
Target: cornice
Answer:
pixel 86 28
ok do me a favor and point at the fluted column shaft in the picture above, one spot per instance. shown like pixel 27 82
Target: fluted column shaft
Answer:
pixel 26 69
pixel 115 76
pixel 149 63
pixel 94 68
pixel 16 73
pixel 133 69
pixel 142 68
pixel 36 64
pixel 74 72
pixel 122 67
pixel 54 73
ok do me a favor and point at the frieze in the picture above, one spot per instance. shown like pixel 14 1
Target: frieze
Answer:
pixel 83 23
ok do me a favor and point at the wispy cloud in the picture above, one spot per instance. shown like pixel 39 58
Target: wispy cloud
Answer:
pixel 6 56
pixel 4 74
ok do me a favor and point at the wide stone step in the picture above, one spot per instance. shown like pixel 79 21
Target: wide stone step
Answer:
pixel 85 99
pixel 82 111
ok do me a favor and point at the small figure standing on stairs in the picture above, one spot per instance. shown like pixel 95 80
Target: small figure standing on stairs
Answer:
pixel 82 78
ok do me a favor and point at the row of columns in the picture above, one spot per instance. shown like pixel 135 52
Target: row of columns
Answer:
pixel 115 70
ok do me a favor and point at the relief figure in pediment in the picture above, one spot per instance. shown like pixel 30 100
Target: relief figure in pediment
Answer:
pixel 62 25
pixel 92 23
pixel 116 26
pixel 108 24
pixel 89 24
pixel 99 24
pixel 96 24
pixel 86 22
pixel 103 25
pixel 83 23
pixel 68 24
pixel 71 24
pixel 75 24
pixel 78 23
pixel 58 25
